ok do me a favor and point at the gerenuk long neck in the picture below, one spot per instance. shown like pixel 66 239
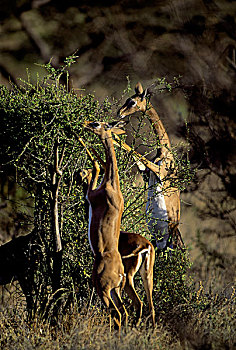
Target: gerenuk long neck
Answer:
pixel 158 126
pixel 111 173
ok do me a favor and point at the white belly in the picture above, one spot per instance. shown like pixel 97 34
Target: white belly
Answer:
pixel 90 218
pixel 157 217
pixel 89 225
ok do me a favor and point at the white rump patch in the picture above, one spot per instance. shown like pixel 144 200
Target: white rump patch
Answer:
pixel 135 254
pixel 148 258
pixel 139 262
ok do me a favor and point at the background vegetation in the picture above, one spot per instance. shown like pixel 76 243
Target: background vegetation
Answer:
pixel 142 40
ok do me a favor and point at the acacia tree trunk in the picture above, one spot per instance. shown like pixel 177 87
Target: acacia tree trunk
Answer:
pixel 57 245
pixel 56 175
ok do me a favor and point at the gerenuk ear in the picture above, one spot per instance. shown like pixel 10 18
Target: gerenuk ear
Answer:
pixel 116 126
pixel 143 95
pixel 138 88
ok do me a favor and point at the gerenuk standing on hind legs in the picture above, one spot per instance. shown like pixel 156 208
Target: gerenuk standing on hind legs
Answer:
pixel 106 206
pixel 163 202
pixel 137 253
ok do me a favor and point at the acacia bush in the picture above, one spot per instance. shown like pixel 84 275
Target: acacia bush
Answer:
pixel 41 123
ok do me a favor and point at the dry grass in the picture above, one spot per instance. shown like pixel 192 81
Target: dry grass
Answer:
pixel 76 331
pixel 186 327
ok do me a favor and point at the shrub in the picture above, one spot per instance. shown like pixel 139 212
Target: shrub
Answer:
pixel 41 124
